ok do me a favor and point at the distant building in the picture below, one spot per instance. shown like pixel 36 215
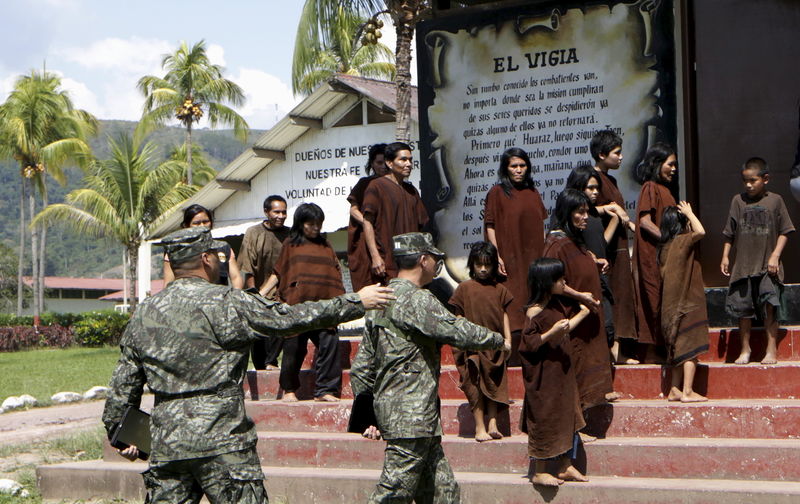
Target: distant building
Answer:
pixel 76 295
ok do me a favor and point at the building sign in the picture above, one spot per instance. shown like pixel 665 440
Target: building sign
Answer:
pixel 545 80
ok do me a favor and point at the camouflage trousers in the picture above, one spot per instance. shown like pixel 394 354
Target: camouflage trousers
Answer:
pixel 234 477
pixel 416 470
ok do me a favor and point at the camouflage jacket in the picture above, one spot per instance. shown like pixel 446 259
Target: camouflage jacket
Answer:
pixel 399 359
pixel 190 343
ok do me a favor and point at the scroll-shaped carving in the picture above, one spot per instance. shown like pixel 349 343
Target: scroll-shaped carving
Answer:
pixel 436 43
pixel 646 9
pixel 548 22
pixel 444 190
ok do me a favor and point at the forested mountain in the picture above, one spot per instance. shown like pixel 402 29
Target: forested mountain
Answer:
pixel 69 254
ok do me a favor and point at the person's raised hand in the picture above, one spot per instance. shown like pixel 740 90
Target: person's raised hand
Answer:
pixel 372 432
pixel 561 329
pixel 375 296
pixel 587 299
pixel 130 453
pixel 685 208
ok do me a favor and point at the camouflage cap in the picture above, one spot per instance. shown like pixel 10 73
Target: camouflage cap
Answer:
pixel 189 242
pixel 414 243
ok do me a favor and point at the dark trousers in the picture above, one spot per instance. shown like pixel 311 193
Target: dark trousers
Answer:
pixel 265 352
pixel 327 363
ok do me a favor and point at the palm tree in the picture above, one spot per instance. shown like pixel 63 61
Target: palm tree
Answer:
pixel 123 199
pixel 40 128
pixel 341 52
pixel 192 87
pixel 202 171
pixel 405 14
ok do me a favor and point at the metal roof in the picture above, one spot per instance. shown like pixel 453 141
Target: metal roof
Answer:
pixel 309 113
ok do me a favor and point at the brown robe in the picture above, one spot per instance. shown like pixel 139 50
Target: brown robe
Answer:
pixel 684 319
pixel 397 209
pixel 260 249
pixel 518 222
pixel 358 260
pixel 589 347
pixel 551 412
pixel 620 274
pixel 308 272
pixel 482 372
pixel 653 199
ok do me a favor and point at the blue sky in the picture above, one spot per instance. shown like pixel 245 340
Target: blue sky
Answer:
pixel 102 47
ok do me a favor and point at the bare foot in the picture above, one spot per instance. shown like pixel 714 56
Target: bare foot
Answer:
pixel 613 396
pixel 493 430
pixel 586 438
pixel 289 397
pixel 675 394
pixel 270 367
pixel 624 359
pixel 744 358
pixel 482 436
pixel 327 398
pixel 546 479
pixel 572 474
pixel 693 397
pixel 769 359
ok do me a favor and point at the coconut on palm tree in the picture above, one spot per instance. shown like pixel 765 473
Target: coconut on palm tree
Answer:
pixel 405 15
pixel 323 50
pixel 123 198
pixel 40 128
pixel 191 89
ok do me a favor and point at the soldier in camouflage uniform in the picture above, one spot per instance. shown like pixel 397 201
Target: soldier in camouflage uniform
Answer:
pixel 399 362
pixel 190 343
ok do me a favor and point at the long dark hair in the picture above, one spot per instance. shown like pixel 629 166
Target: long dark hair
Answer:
pixel 567 202
pixel 502 173
pixel 673 223
pixel 650 167
pixel 305 213
pixel 483 252
pixel 374 150
pixel 579 178
pixel 543 273
pixel 191 211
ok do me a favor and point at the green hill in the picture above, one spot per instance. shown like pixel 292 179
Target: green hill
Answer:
pixel 69 254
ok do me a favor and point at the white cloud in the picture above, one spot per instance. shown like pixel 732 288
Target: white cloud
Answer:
pixel 268 98
pixel 82 97
pixel 133 56
pixel 216 54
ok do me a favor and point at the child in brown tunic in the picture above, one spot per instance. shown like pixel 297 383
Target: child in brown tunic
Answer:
pixel 552 413
pixel 684 320
pixel 308 270
pixel 657 169
pixel 483 301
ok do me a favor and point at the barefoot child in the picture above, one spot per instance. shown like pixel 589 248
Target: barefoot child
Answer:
pixel 307 270
pixel 485 302
pixel 552 414
pixel 757 229
pixel 684 319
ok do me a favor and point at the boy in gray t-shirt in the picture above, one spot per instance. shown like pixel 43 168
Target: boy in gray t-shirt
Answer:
pixel 757 228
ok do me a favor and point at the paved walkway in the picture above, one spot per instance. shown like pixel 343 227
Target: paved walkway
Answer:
pixel 36 424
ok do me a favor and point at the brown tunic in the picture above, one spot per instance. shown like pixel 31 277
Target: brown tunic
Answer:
pixel 552 409
pixel 482 372
pixel 308 272
pixel 358 260
pixel 684 320
pixel 620 274
pixel 653 199
pixel 261 247
pixel 589 347
pixel 518 222
pixel 397 209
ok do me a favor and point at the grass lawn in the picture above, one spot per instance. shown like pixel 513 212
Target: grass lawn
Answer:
pixel 42 373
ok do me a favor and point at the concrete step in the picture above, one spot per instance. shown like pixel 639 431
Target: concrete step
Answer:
pixel 724 346
pixel 730 418
pixel 105 480
pixel 751 459
pixel 644 381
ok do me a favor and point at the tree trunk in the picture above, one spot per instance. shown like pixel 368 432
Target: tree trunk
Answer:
pixel 131 252
pixel 404 27
pixel 42 246
pixel 189 153
pixel 34 248
pixel 21 259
